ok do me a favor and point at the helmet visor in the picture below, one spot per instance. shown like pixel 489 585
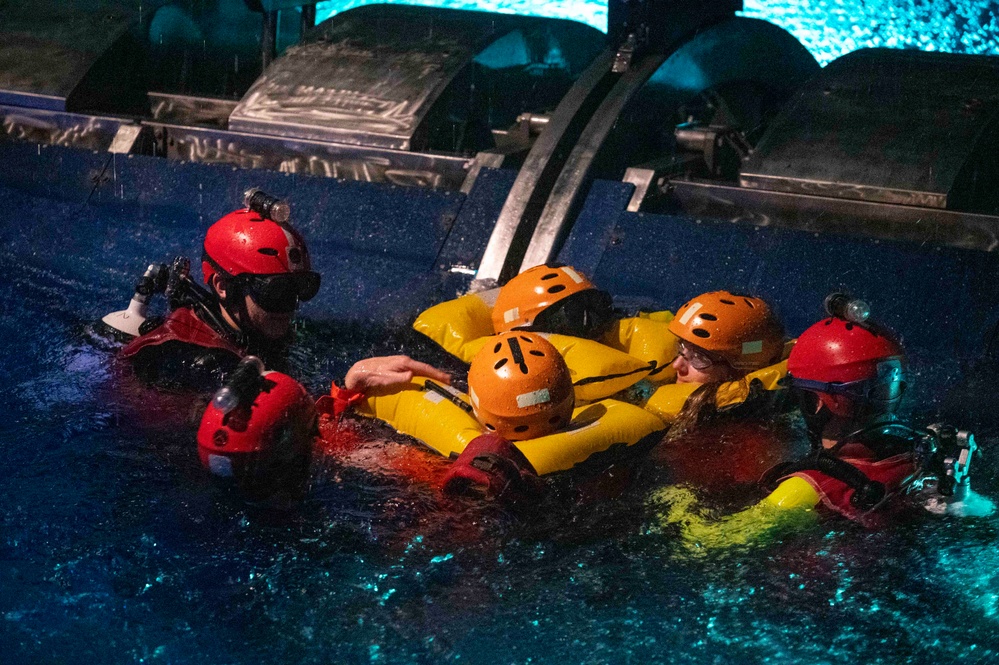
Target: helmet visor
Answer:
pixel 282 293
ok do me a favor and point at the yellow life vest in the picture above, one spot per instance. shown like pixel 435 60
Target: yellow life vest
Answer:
pixel 667 401
pixel 438 420
pixel 633 349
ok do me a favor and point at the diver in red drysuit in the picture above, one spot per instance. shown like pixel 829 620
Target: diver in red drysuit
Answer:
pixel 866 463
pixel 261 429
pixel 257 271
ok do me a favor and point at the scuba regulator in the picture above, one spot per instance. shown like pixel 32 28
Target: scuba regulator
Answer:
pixel 174 281
pixel 946 454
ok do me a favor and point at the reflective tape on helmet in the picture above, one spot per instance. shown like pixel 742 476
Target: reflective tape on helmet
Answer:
pixel 689 314
pixel 752 347
pixel 220 465
pixel 472 396
pixel 533 398
pixel 511 315
pixel 573 275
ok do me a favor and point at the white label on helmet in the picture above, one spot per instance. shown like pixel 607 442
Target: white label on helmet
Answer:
pixel 752 347
pixel 433 397
pixel 472 396
pixel 533 398
pixel 511 315
pixel 689 314
pixel 573 275
pixel 293 265
pixel 220 465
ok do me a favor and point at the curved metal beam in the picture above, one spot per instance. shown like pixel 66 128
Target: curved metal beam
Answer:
pixel 543 163
pixel 566 194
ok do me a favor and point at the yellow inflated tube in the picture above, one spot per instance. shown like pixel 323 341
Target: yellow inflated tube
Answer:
pixel 646 337
pixel 439 422
pixel 667 401
pixel 633 349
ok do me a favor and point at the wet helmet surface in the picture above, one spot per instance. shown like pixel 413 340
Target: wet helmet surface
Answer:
pixel 741 329
pixel 520 387
pixel 265 446
pixel 244 242
pixel 847 364
pixel 526 296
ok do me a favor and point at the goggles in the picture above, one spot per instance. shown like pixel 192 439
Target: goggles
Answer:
pixel 281 293
pixel 696 358
pixel 889 376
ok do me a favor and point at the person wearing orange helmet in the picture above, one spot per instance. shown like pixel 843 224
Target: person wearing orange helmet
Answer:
pixel 519 387
pixel 723 336
pixel 552 299
pixel 849 377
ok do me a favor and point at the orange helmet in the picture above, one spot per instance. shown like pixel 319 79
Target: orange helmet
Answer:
pixel 530 293
pixel 741 329
pixel 520 387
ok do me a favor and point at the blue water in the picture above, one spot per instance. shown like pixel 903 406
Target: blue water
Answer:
pixel 116 548
pixel 827 28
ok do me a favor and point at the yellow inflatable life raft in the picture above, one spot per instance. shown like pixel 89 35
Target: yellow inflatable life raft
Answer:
pixel 667 401
pixel 441 418
pixel 635 348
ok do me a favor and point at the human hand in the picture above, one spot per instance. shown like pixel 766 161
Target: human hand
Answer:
pixel 389 371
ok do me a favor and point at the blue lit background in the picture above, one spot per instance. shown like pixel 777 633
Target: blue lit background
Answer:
pixel 828 28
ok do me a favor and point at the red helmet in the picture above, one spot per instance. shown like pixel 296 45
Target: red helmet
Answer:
pixel 263 443
pixel 246 243
pixel 848 365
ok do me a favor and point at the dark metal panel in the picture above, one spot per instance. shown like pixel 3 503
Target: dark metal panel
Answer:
pixel 591 233
pixel 893 126
pixel 331 160
pixel 409 78
pixel 190 110
pixel 468 239
pixel 57 56
pixel 69 130
pixel 831 215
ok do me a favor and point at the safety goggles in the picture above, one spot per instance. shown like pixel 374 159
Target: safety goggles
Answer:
pixel 696 358
pixel 853 389
pixel 281 293
pixel 890 374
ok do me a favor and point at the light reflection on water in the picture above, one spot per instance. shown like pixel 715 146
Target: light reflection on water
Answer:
pixel 827 28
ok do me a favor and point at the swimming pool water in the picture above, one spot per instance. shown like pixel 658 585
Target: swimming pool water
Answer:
pixel 117 548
